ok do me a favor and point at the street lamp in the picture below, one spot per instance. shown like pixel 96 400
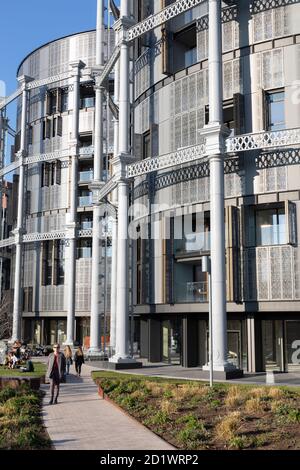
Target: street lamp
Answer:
pixel 206 268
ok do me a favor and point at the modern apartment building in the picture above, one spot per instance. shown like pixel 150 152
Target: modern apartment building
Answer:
pixel 261 72
pixel 202 89
pixel 50 189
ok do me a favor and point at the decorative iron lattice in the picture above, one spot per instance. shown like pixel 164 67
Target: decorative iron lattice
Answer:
pixel 86 151
pixel 108 188
pixel 85 233
pixel 193 172
pixel 182 156
pixel 10 98
pixel 228 14
pixel 278 158
pixel 141 190
pixel 232 165
pixel 11 167
pixel 183 174
pixel 47 157
pixel 35 237
pixel 48 81
pixel 257 6
pixel 263 140
pixel 7 242
pixel 155 20
pixel 110 64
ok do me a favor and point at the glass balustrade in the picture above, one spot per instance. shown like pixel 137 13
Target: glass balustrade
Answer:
pixel 85 200
pixel 192 242
pixel 86 176
pixel 191 292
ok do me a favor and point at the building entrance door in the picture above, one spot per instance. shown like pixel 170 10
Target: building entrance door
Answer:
pixel 272 342
pixel 171 341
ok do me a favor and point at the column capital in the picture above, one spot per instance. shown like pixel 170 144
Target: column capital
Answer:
pixel 23 80
pixel 95 187
pixel 18 234
pixel 74 148
pixel 21 154
pixel 71 229
pixel 122 25
pixel 120 163
pixel 215 134
pixel 76 66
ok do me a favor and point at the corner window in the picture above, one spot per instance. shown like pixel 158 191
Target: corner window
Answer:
pixel 185 48
pixel 270 227
pixel 275 110
pixel 87 96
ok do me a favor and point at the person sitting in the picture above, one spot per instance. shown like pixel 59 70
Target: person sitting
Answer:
pixel 14 361
pixel 29 367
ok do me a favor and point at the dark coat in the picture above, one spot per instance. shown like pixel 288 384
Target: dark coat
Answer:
pixel 78 359
pixel 61 365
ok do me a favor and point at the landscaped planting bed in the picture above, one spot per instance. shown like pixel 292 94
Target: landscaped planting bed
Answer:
pixel 191 415
pixel 21 424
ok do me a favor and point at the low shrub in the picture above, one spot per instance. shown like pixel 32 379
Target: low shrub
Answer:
pixel 234 397
pixel 193 432
pixel 227 428
pixel 239 442
pixel 286 412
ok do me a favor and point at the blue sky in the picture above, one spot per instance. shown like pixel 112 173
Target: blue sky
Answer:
pixel 27 24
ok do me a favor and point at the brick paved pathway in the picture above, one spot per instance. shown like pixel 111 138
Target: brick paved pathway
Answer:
pixel 82 421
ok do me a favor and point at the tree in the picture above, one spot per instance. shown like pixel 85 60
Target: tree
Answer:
pixel 6 308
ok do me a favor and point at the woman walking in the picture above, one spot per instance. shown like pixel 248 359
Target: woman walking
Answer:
pixel 79 360
pixel 55 372
pixel 68 357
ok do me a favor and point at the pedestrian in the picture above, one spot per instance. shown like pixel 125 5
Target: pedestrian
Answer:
pixel 55 371
pixel 79 360
pixel 68 357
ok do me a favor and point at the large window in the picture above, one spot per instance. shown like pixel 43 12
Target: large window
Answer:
pixel 56 101
pixel 185 48
pixel 271 227
pixel 50 173
pixel 87 96
pixel 275 111
pixel 53 264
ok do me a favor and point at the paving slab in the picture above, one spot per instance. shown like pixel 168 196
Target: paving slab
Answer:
pixel 83 421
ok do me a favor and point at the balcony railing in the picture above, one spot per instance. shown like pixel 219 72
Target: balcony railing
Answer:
pixel 86 176
pixel 85 201
pixel 192 243
pixel 191 292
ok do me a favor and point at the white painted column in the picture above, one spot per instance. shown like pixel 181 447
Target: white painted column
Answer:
pixel 95 325
pixel 18 232
pixel 122 307
pixel 113 296
pixel 215 148
pixel 2 156
pixel 71 226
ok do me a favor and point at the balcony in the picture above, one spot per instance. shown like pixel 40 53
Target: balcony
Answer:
pixel 192 244
pixel 191 292
pixel 86 224
pixel 84 201
pixel 86 176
